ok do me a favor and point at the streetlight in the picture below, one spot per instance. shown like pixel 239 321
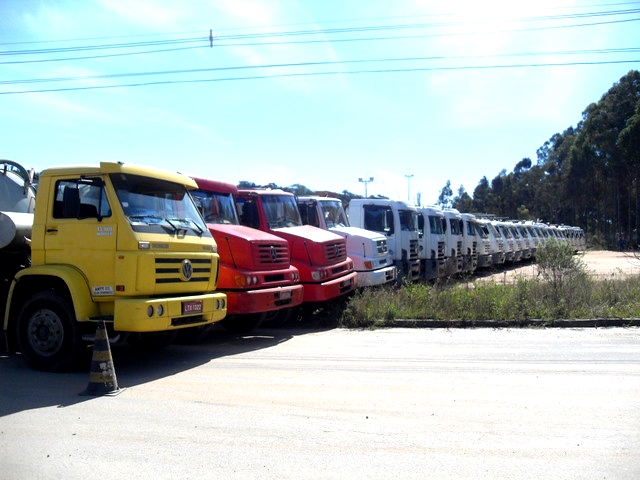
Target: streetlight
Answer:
pixel 365 181
pixel 409 187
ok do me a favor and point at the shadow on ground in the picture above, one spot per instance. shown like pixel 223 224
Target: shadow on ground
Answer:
pixel 23 388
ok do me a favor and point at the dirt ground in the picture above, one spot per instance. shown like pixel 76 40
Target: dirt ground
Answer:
pixel 600 263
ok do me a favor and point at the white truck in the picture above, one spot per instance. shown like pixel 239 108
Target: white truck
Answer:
pixel 453 233
pixel 398 221
pixel 510 248
pixel 368 250
pixel 470 242
pixel 485 254
pixel 432 242
pixel 496 242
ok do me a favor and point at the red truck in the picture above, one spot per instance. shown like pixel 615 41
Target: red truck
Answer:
pixel 255 266
pixel 320 255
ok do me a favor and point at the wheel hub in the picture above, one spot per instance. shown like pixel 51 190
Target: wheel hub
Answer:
pixel 45 332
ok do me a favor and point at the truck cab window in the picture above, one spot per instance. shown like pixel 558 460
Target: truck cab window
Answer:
pixel 80 198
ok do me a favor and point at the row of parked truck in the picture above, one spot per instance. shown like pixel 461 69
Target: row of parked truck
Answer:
pixel 155 254
pixel 431 242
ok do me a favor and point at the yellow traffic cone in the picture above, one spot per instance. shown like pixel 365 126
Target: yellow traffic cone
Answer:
pixel 102 378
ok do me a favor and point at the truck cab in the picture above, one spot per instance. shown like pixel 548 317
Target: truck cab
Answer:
pixel 432 242
pixel 119 243
pixel 255 266
pixel 367 249
pixel 398 221
pixel 326 272
pixel 453 235
pixel 496 243
pixel 471 242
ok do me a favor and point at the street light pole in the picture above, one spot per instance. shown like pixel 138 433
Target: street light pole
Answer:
pixel 409 187
pixel 365 181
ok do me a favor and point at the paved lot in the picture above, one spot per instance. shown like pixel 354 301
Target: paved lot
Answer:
pixel 400 403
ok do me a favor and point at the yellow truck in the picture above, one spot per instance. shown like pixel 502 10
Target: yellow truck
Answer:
pixel 116 242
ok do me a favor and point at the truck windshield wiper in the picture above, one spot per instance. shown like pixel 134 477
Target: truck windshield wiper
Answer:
pixel 145 218
pixel 188 221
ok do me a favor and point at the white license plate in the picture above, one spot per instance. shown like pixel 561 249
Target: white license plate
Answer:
pixel 284 295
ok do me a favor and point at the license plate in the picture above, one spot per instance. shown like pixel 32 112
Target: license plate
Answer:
pixel 346 283
pixel 284 295
pixel 194 306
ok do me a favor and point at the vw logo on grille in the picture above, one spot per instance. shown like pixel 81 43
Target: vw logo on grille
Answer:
pixel 186 270
pixel 274 254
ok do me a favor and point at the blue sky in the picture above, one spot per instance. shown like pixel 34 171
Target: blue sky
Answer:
pixel 315 92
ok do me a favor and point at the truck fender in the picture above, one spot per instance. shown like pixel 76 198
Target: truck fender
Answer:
pixel 42 277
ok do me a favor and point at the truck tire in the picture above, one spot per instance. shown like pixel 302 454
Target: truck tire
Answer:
pixel 242 324
pixel 48 334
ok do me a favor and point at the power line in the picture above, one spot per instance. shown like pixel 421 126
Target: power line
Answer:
pixel 339 72
pixel 220 40
pixel 320 63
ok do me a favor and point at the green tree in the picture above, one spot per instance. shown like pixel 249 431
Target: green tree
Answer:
pixel 445 197
pixel 463 201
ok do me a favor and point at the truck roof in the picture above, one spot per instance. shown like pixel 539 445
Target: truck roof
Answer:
pixel 119 167
pixel 265 191
pixel 382 201
pixel 215 185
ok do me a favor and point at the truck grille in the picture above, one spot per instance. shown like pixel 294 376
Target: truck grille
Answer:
pixel 413 249
pixel 269 254
pixel 440 249
pixel 335 251
pixel 170 270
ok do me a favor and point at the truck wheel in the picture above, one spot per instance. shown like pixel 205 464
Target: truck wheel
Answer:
pixel 242 324
pixel 48 334
pixel 280 317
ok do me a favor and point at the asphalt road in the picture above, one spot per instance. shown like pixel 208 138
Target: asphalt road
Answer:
pixel 398 403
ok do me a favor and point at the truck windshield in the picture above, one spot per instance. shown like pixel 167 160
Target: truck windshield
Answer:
pixel 435 224
pixel 408 220
pixel 333 212
pixel 281 211
pixel 471 228
pixel 216 207
pixel 454 223
pixel 156 206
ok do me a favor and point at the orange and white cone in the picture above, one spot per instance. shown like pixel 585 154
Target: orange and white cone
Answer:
pixel 102 378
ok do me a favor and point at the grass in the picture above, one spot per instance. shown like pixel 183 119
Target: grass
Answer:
pixel 562 290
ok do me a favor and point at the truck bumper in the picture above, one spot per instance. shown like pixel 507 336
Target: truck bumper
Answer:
pixel 163 314
pixel 371 278
pixel 484 261
pixel 498 258
pixel 264 300
pixel 321 292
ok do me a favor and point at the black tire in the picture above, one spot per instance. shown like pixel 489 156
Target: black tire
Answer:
pixel 242 324
pixel 48 334
pixel 280 317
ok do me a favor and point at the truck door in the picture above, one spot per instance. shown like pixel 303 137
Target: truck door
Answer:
pixel 81 231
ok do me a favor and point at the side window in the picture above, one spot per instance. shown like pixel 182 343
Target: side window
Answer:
pixel 80 199
pixel 248 212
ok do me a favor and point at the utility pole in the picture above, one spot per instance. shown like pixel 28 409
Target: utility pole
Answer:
pixel 365 181
pixel 409 187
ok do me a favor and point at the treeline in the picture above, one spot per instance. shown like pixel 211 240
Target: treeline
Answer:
pixel 585 176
